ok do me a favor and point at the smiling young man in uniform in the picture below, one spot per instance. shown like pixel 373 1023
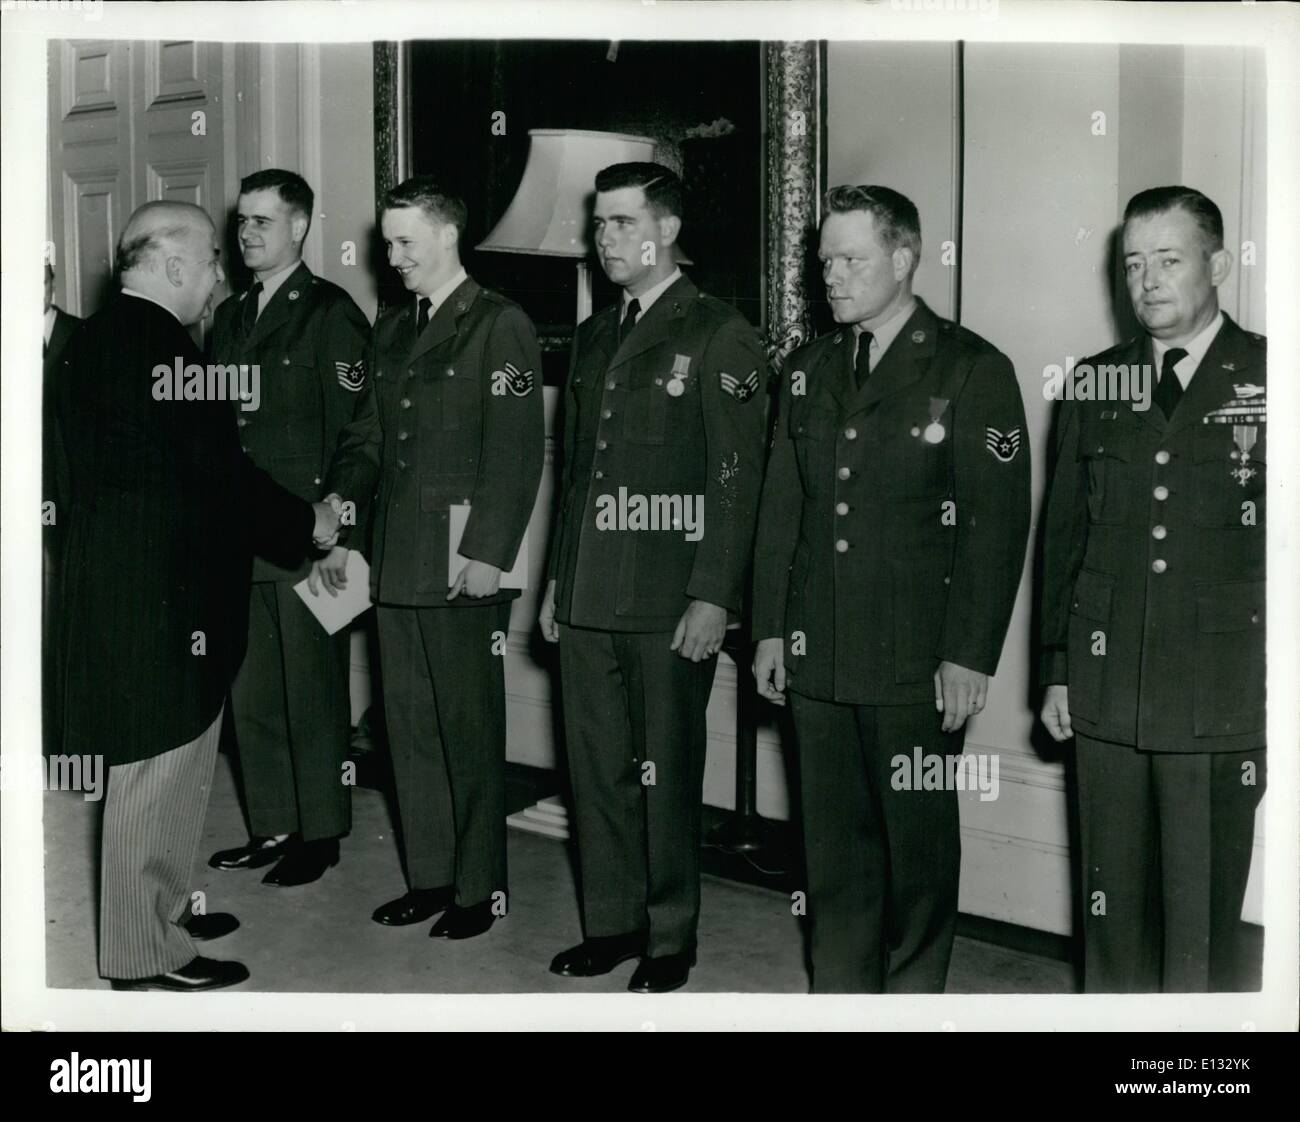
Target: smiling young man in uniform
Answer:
pixel 309 431
pixel 457 377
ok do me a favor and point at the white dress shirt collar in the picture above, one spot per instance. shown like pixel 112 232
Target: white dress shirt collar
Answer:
pixel 1195 348
pixel 650 295
pixel 272 284
pixel 439 295
pixel 885 334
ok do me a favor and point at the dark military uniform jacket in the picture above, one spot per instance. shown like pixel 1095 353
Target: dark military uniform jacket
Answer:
pixel 894 518
pixel 460 409
pixel 310 428
pixel 676 411
pixel 1154 557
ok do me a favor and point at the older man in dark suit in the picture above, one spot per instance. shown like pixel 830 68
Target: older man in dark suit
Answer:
pixel 166 510
pixel 1153 603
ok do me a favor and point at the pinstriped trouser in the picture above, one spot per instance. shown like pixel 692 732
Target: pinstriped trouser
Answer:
pixel 153 817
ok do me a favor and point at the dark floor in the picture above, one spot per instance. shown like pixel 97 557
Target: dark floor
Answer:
pixel 320 938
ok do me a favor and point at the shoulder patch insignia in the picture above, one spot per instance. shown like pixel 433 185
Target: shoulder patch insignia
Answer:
pixel 351 377
pixel 518 382
pixel 1003 445
pixel 741 390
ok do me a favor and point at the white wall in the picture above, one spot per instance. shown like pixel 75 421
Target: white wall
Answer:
pixel 891 120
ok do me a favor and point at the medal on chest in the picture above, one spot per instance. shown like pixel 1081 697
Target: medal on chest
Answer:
pixel 1245 413
pixel 681 371
pixel 934 432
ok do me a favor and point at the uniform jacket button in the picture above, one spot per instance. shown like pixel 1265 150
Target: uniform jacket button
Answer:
pixel 1161 493
pixel 401 465
pixel 841 508
pixel 405 403
pixel 284 361
pixel 317 481
pixel 850 434
pixel 841 546
pixel 606 414
pixel 1162 457
pixel 403 435
pixel 844 473
pixel 611 384
pixel 242 422
pixel 1159 565
pixel 600 474
pixel 601 445
pixel 1158 532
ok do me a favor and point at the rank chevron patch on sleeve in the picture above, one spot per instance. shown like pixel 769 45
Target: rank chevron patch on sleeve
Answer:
pixel 1003 445
pixel 351 376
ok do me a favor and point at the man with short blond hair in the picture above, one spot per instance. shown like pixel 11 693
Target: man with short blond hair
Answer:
pixel 890 543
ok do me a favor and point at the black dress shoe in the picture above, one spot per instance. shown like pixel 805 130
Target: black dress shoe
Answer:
pixel 258 852
pixel 463 923
pixel 212 926
pixel 598 955
pixel 663 974
pixel 304 863
pixel 415 907
pixel 198 974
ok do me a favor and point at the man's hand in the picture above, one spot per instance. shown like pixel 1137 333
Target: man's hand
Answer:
pixel 769 669
pixel 331 571
pixel 700 631
pixel 546 617
pixel 1056 712
pixel 326 532
pixel 958 693
pixel 477 579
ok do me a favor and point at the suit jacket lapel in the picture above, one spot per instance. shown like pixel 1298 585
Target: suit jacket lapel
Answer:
pixel 443 324
pixel 658 323
pixel 276 313
pixel 1226 363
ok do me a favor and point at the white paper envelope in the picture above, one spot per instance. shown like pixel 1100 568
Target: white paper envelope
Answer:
pixel 458 516
pixel 336 612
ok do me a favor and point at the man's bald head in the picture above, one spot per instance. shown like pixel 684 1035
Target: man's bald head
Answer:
pixel 169 252
pixel 158 229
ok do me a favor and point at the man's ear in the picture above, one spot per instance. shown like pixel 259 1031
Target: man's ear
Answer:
pixel 669 227
pixel 298 230
pixel 448 236
pixel 174 270
pixel 1220 266
pixel 904 261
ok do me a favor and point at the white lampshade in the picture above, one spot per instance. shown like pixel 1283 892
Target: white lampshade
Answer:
pixel 550 214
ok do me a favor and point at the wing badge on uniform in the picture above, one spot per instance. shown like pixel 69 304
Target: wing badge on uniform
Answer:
pixel 518 382
pixel 741 390
pixel 351 376
pixel 1003 445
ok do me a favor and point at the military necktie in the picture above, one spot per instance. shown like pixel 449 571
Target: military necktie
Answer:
pixel 1170 389
pixel 862 362
pixel 422 314
pixel 630 314
pixel 250 308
